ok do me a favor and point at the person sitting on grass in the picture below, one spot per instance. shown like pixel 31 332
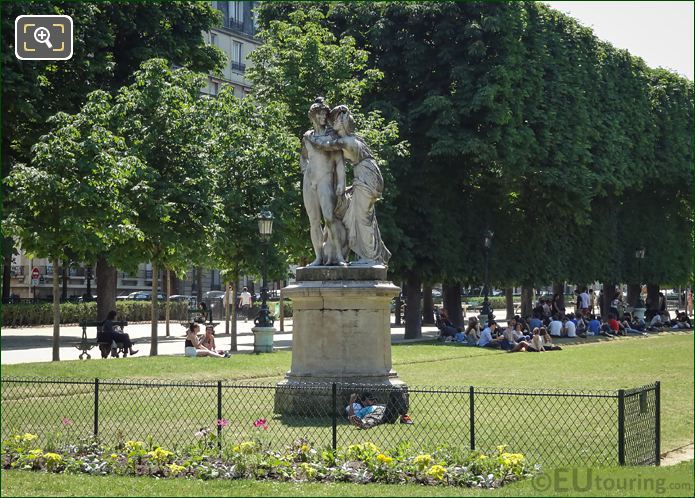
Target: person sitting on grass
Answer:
pixel 510 344
pixel 365 412
pixel 681 322
pixel 472 331
pixel 548 341
pixel 556 326
pixel 594 326
pixel 445 326
pixel 486 336
pixel 536 344
pixel 193 345
pixel 629 326
pixel 569 326
pixel 208 340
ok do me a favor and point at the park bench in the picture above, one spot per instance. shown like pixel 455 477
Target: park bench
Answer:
pixel 105 348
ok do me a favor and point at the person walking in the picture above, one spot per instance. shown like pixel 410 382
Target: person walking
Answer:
pixel 245 303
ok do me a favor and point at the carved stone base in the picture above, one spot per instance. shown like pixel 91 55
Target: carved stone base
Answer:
pixel 341 331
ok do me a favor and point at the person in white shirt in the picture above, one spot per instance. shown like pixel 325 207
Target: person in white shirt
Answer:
pixel 585 303
pixel 245 303
pixel 555 327
pixel 570 328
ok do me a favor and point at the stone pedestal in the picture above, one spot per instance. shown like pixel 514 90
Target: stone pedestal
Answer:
pixel 341 333
pixel 639 313
pixel 263 339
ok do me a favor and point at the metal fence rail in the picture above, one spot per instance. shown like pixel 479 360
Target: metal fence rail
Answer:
pixel 550 426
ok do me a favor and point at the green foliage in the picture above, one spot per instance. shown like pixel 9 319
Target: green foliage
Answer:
pixel 362 463
pixel 23 315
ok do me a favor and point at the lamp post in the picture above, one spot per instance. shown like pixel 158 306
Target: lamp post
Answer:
pixel 265 229
pixel 88 276
pixel 639 255
pixel 487 242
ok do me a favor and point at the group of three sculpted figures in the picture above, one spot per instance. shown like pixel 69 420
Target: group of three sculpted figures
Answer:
pixel 349 220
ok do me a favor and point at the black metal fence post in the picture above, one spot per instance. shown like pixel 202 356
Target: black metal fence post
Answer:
pixel 96 407
pixel 471 402
pixel 621 427
pixel 334 416
pixel 657 423
pixel 219 415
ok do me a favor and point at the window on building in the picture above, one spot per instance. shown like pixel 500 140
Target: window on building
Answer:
pixel 236 52
pixel 236 11
pixel 213 40
pixel 215 88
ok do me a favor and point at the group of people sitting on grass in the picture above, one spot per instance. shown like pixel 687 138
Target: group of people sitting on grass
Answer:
pixel 535 334
pixel 202 345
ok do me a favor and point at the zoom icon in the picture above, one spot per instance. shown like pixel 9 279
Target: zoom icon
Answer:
pixel 43 38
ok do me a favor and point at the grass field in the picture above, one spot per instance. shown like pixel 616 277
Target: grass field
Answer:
pixel 622 481
pixel 610 364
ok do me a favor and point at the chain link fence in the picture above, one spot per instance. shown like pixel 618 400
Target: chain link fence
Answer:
pixel 550 426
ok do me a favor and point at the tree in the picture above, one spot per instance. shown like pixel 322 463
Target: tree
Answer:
pixel 71 195
pixel 253 165
pixel 164 121
pixel 111 39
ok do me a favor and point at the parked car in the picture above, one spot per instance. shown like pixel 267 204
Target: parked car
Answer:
pixel 143 296
pixel 81 299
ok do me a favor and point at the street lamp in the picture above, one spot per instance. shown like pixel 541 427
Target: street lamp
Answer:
pixel 487 242
pixel 88 275
pixel 639 254
pixel 265 229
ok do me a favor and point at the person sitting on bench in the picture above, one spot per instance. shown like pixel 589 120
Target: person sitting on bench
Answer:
pixel 110 335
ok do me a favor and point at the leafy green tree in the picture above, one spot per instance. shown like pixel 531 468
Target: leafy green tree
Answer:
pixel 111 39
pixel 72 192
pixel 164 121
pixel 254 165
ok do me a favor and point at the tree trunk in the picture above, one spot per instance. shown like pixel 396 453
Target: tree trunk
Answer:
pixel 653 296
pixel 608 295
pixel 233 302
pixel 633 292
pixel 199 283
pixel 282 312
pixel 399 308
pixel 155 311
pixel 7 249
pixel 559 288
pixel 526 301
pixel 427 305
pixel 64 282
pixel 56 311
pixel 413 314
pixel 451 293
pixel 167 310
pixel 107 278
pixel 509 300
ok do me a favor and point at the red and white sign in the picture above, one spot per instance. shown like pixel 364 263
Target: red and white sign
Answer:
pixel 35 275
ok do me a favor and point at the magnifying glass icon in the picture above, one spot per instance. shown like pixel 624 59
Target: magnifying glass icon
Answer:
pixel 42 35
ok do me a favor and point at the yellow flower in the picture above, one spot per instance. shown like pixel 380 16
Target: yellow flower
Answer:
pixel 309 471
pixel 53 458
pixel 371 447
pixel 423 460
pixel 501 448
pixel 246 447
pixel 27 438
pixel 512 459
pixel 37 452
pixel 134 445
pixel 482 457
pixel 160 455
pixel 114 456
pixel 305 448
pixel 437 471
pixel 384 458
pixel 174 469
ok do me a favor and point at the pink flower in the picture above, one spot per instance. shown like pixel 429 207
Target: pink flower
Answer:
pixel 223 422
pixel 260 423
pixel 66 421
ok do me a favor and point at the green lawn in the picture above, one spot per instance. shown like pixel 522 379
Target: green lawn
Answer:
pixel 579 431
pixel 645 481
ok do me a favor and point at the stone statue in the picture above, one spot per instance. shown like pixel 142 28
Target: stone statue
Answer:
pixel 324 180
pixel 357 205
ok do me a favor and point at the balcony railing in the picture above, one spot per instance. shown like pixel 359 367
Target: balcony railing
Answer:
pixel 239 67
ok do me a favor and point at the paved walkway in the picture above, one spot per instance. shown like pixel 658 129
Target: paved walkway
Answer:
pixel 34 344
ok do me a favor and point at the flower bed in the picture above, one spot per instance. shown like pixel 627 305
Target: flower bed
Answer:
pixel 359 463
